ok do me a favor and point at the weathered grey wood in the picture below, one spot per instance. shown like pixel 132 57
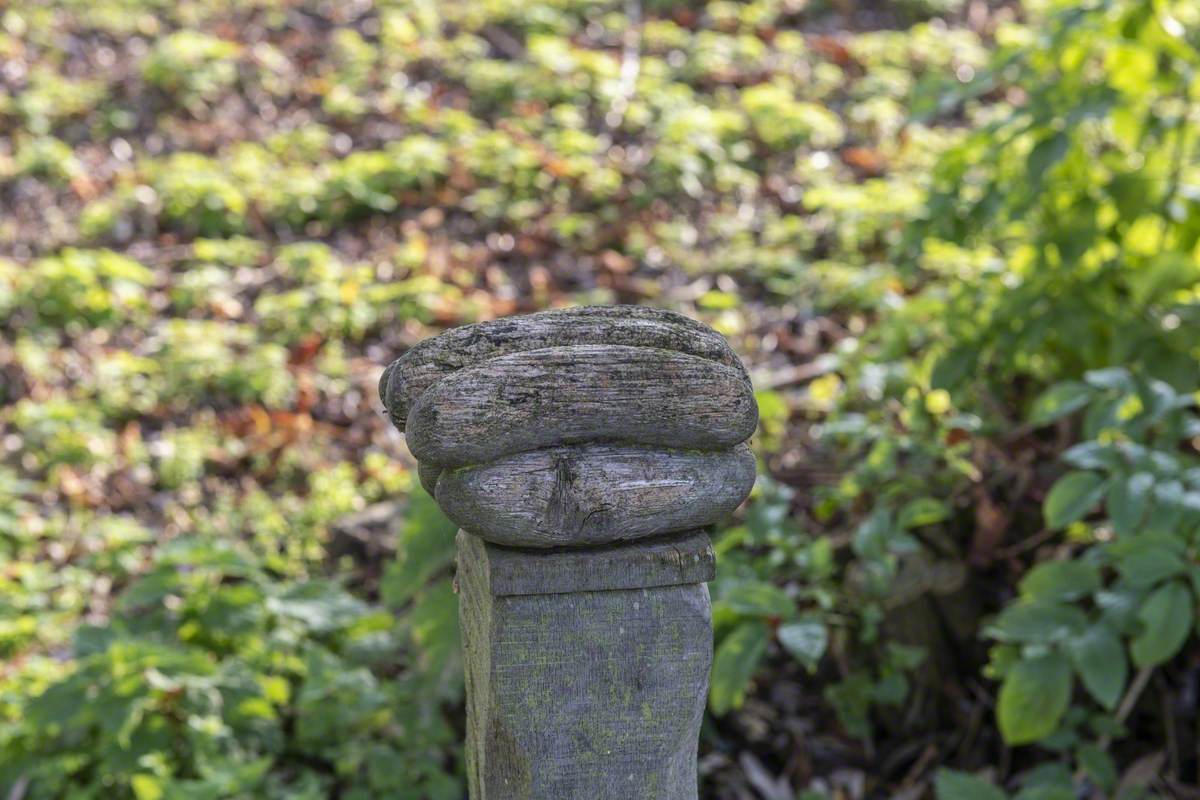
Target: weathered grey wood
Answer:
pixel 595 493
pixel 568 395
pixel 685 557
pixel 586 447
pixel 581 695
pixel 428 475
pixel 426 363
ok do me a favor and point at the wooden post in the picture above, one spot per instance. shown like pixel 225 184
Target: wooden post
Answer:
pixel 582 452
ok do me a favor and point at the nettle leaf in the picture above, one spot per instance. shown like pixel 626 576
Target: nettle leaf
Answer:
pixel 735 662
pixel 1072 497
pixel 1128 501
pixel 806 639
pixel 1060 400
pixel 1099 659
pixel 1166 618
pixel 954 785
pixel 1060 580
pixel 1033 698
pixel 758 599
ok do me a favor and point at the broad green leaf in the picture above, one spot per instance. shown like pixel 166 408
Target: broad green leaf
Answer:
pixel 1046 154
pixel 1098 765
pixel 759 599
pixel 1150 564
pixel 1033 698
pixel 1166 623
pixel 1128 500
pixel 953 367
pixel 425 546
pixel 1056 581
pixel 1094 455
pixel 923 511
pixel 1110 378
pixel 1099 659
pixel 146 787
pixel 1058 401
pixel 954 785
pixel 1037 623
pixel 1072 497
pixel 806 639
pixel 735 662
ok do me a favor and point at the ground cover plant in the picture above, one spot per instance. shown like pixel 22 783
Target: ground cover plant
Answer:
pixel 957 242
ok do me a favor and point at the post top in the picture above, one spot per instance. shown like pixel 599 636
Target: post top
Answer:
pixel 680 558
pixel 578 427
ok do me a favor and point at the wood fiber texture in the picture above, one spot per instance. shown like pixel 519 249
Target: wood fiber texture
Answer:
pixel 410 375
pixel 568 395
pixel 595 493
pixel 592 695
pixel 428 475
pixel 678 558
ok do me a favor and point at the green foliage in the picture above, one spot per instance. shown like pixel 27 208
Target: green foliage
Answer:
pixel 192 66
pixel 215 679
pixel 977 252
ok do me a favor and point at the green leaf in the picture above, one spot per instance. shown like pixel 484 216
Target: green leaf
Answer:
pixel 425 547
pixel 1072 497
pixel 1100 661
pixel 1110 378
pixel 1166 621
pixel 146 787
pixel 758 599
pixel 1098 765
pixel 1031 622
pixel 1060 580
pixel 1150 564
pixel 736 660
pixel 1128 500
pixel 954 785
pixel 806 639
pixel 923 511
pixel 1045 155
pixel 1033 698
pixel 1058 401
pixel 952 368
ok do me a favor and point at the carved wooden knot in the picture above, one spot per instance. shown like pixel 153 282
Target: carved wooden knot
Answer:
pixel 577 427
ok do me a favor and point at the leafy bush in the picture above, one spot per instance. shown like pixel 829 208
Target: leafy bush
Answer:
pixel 219 681
pixel 192 66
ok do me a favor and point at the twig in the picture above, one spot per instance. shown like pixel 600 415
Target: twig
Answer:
pixel 1129 700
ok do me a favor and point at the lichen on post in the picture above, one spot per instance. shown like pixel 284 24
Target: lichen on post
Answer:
pixel 582 452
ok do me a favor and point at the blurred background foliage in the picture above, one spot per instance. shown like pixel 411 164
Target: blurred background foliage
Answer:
pixel 956 242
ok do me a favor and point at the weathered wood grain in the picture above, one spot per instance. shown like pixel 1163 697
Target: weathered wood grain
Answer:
pixel 428 475
pixel 569 395
pixel 581 693
pixel 634 326
pixel 683 557
pixel 595 494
